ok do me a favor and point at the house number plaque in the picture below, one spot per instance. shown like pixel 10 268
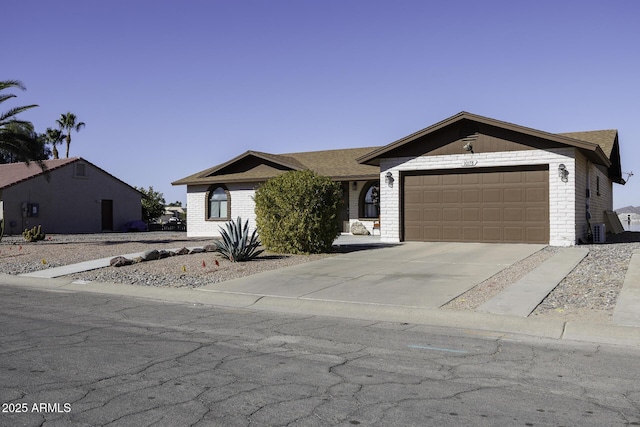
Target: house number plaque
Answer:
pixel 469 163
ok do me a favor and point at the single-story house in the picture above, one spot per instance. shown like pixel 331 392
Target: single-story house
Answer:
pixel 467 178
pixel 75 196
pixel 226 191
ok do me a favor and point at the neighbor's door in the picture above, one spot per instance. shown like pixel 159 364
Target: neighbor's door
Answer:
pixel 107 215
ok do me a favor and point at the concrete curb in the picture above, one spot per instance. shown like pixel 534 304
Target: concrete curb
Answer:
pixel 469 320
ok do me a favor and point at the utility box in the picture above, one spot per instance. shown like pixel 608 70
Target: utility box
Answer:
pixel 599 233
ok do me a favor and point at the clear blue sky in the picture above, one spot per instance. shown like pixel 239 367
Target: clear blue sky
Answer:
pixel 169 88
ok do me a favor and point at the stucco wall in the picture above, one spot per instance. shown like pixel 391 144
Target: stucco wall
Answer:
pixel 70 204
pixel 562 196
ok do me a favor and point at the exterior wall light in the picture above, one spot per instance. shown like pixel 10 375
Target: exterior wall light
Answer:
pixel 355 185
pixel 563 173
pixel 388 178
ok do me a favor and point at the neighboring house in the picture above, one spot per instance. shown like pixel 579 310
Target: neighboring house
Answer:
pixel 77 197
pixel 467 178
pixel 226 191
pixel 172 212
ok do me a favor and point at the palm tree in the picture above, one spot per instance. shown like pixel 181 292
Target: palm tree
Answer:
pixel 17 139
pixel 68 122
pixel 53 137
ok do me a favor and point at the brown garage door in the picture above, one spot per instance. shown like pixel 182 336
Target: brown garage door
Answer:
pixel 481 205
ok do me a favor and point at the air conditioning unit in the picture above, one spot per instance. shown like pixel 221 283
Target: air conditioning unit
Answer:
pixel 599 233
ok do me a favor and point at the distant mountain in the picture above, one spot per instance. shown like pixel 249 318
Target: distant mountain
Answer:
pixel 628 210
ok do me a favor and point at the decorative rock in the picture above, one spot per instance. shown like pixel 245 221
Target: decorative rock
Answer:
pixel 210 248
pixel 151 255
pixel 358 229
pixel 163 254
pixel 120 261
pixel 183 251
pixel 196 251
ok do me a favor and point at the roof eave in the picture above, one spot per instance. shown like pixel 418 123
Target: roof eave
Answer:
pixel 373 158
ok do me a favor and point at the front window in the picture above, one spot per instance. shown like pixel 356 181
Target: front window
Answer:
pixel 218 203
pixel 371 203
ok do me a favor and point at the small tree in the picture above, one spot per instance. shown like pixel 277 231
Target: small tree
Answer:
pixel 152 204
pixel 297 212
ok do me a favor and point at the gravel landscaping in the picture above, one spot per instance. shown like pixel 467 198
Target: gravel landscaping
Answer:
pixel 588 293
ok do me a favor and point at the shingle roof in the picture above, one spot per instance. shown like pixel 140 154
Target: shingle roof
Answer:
pixel 604 138
pixel 337 164
pixel 13 173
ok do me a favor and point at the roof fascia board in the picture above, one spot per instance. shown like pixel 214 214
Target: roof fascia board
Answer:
pixel 216 180
pixel 264 156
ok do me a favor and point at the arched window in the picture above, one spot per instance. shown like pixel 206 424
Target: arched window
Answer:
pixel 370 206
pixel 218 203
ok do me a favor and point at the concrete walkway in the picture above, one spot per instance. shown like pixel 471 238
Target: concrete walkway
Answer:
pixel 627 310
pixel 65 270
pixel 521 298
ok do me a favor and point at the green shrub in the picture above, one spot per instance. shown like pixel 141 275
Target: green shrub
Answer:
pixel 297 212
pixel 236 245
pixel 34 234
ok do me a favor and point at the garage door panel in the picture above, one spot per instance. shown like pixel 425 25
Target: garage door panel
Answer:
pixel 537 176
pixel 492 214
pixel 415 181
pixel 413 197
pixel 430 196
pixel 471 234
pixel 491 234
pixel 514 234
pixel 470 179
pixel 413 215
pixel 496 205
pixel 513 195
pixel 413 232
pixel 536 195
pixel 537 235
pixel 471 214
pixel 452 179
pixel 451 196
pixel 451 234
pixel 451 214
pixel 471 196
pixel 488 179
pixel 491 195
pixel 431 215
pixel 514 214
pixel 431 234
pixel 515 177
pixel 536 214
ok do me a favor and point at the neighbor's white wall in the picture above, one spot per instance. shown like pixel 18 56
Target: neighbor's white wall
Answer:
pixel 562 196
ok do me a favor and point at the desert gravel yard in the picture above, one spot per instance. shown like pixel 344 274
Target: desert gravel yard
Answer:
pixel 588 293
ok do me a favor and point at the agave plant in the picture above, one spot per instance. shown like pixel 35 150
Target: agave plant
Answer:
pixel 236 245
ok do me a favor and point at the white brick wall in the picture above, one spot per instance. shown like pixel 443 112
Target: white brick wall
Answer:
pixel 242 205
pixel 562 202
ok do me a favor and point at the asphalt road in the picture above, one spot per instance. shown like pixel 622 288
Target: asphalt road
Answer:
pixel 80 359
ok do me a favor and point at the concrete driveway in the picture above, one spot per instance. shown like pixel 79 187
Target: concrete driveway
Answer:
pixel 412 274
